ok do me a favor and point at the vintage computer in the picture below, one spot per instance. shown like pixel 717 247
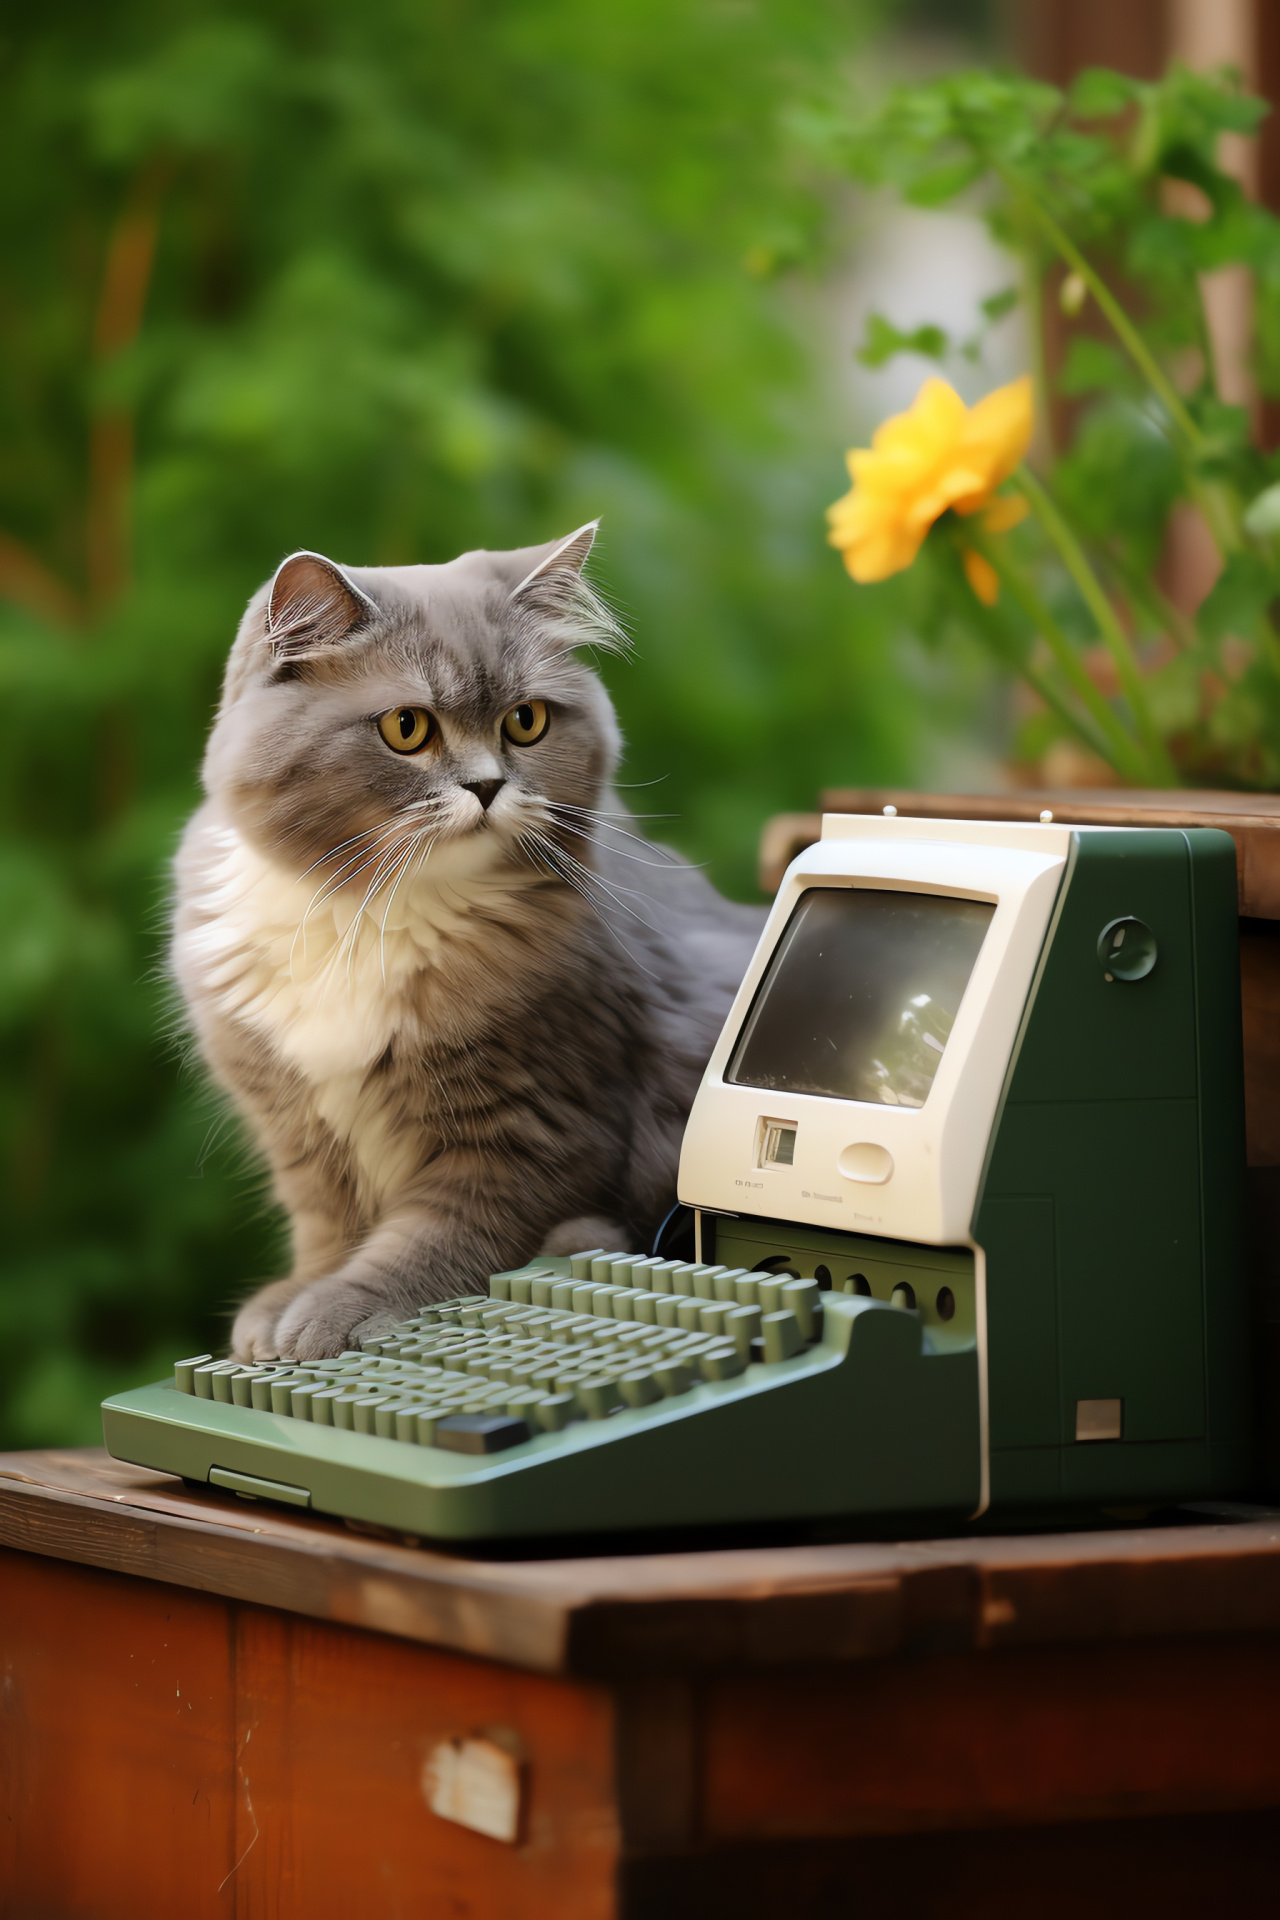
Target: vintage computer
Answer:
pixel 965 1172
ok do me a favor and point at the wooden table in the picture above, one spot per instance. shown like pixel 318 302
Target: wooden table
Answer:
pixel 212 1707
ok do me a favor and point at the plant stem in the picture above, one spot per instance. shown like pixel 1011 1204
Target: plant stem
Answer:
pixel 1222 523
pixel 1143 593
pixel 1033 294
pixel 1122 325
pixel 1113 743
pixel 1113 634
pixel 1041 684
pixel 1006 648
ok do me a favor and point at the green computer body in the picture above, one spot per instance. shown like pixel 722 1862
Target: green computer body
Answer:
pixel 1083 1343
pixel 1110 1214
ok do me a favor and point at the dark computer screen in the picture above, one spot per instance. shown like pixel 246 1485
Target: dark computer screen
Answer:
pixel 861 995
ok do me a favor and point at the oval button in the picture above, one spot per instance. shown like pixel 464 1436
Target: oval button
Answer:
pixel 866 1162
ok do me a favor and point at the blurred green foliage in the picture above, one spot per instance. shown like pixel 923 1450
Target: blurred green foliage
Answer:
pixel 1115 197
pixel 389 281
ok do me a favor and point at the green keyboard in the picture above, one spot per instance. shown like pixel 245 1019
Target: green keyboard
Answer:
pixel 597 1394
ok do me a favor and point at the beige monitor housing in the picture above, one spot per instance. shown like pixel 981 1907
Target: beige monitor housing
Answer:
pixel 906 1165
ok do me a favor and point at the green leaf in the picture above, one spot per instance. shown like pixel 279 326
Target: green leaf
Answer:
pixel 1100 94
pixel 1262 516
pixel 884 340
pixel 940 184
pixel 1240 595
pixel 1094 366
pixel 996 305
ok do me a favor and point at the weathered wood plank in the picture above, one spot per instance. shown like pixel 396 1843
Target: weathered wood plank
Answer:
pixel 1179 1868
pixel 1029 1735
pixel 116 1745
pixel 638 1614
pixel 165 1753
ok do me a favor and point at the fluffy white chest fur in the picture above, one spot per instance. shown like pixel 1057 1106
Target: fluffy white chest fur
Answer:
pixel 327 979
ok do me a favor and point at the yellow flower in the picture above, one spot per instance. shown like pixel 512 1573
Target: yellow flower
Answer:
pixel 938 454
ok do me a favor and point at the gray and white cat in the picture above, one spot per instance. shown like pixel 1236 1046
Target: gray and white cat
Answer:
pixel 463 1010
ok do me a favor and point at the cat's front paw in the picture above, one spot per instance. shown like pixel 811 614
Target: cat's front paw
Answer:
pixel 254 1334
pixel 329 1316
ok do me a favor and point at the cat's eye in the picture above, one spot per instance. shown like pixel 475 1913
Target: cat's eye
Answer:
pixel 526 723
pixel 407 729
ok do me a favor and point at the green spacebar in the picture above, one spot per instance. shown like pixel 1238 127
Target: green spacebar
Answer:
pixel 255 1489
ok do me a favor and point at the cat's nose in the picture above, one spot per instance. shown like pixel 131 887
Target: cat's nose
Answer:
pixel 485 791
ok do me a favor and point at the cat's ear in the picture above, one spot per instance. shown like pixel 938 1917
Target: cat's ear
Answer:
pixel 312 605
pixel 568 557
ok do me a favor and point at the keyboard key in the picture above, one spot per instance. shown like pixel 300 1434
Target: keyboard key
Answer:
pixel 363 1409
pixel 745 1290
pixel 802 1296
pixel 580 1264
pixel 555 1411
pixel 260 1389
pixel 704 1282
pixel 281 1388
pixel 687 1313
pixel 242 1386
pixel 184 1371
pixel 691 1345
pixel 782 1335
pixel 673 1377
pixel 598 1395
pixel 721 1362
pixel 742 1324
pixel 221 1381
pixel 724 1279
pixel 660 1276
pixel 202 1377
pixel 405 1428
pixel 711 1317
pixel 638 1387
pixel 384 1417
pixel 480 1432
